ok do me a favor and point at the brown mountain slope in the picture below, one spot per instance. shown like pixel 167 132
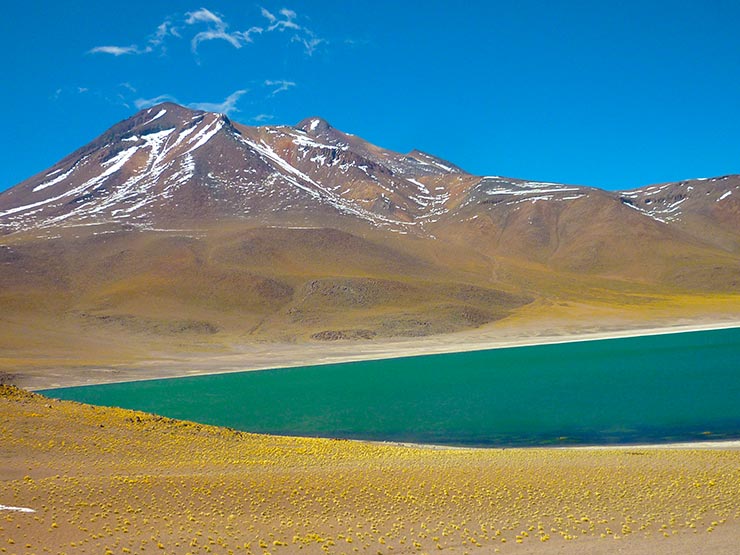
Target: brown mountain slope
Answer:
pixel 589 231
pixel 236 285
pixel 708 209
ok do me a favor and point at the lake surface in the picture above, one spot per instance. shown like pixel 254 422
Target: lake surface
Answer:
pixel 663 388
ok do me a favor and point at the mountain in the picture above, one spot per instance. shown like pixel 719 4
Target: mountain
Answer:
pixel 182 227
pixel 169 165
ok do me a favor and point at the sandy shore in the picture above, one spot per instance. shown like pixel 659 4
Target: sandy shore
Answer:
pixel 731 445
pixel 262 356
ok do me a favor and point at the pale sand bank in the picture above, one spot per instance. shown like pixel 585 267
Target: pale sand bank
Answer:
pixel 728 445
pixel 245 358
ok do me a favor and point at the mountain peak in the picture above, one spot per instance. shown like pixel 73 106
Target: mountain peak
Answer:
pixel 314 125
pixel 166 108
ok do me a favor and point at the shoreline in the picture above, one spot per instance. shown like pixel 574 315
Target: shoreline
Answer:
pixel 708 445
pixel 404 350
pixel 307 355
pixel 721 445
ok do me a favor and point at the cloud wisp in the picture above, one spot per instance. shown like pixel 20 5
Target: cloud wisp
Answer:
pixel 116 50
pixel 156 40
pixel 287 22
pixel 142 103
pixel 262 118
pixel 217 30
pixel 213 26
pixel 309 41
pixel 227 106
pixel 279 86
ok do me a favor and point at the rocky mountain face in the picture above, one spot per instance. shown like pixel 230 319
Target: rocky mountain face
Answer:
pixel 170 166
pixel 178 221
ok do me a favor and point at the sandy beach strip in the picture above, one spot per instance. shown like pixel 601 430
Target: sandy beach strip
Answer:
pixel 271 356
pixel 726 445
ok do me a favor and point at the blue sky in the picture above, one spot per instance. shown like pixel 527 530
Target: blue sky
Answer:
pixel 608 94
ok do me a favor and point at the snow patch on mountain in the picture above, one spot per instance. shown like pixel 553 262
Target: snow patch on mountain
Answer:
pixel 159 115
pixel 306 184
pixel 205 135
pixel 666 202
pixel 54 181
pixel 305 141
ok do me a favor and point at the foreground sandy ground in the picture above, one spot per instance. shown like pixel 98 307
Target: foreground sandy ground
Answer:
pixel 117 481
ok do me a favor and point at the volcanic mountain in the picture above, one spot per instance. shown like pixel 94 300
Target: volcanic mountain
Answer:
pixel 169 165
pixel 183 224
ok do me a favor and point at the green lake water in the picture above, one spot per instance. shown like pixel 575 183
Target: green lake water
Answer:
pixel 663 388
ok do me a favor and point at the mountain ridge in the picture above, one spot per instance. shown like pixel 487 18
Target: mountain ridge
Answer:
pixel 382 186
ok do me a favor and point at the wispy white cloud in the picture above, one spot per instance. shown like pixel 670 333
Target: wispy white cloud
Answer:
pixel 211 25
pixel 247 35
pixel 218 29
pixel 287 21
pixel 266 13
pixel 280 86
pixel 214 34
pixel 164 30
pixel 228 106
pixel 142 103
pixel 74 90
pixel 203 15
pixel 116 50
pixel 122 94
pixel 156 40
pixel 310 42
pixel 261 118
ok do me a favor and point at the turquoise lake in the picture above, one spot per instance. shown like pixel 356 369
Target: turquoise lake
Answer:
pixel 655 389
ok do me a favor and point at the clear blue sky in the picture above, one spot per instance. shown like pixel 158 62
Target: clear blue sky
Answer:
pixel 609 94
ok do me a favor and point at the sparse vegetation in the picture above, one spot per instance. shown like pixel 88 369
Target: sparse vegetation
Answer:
pixel 111 480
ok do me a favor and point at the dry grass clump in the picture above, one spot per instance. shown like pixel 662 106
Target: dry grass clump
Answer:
pixel 119 481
